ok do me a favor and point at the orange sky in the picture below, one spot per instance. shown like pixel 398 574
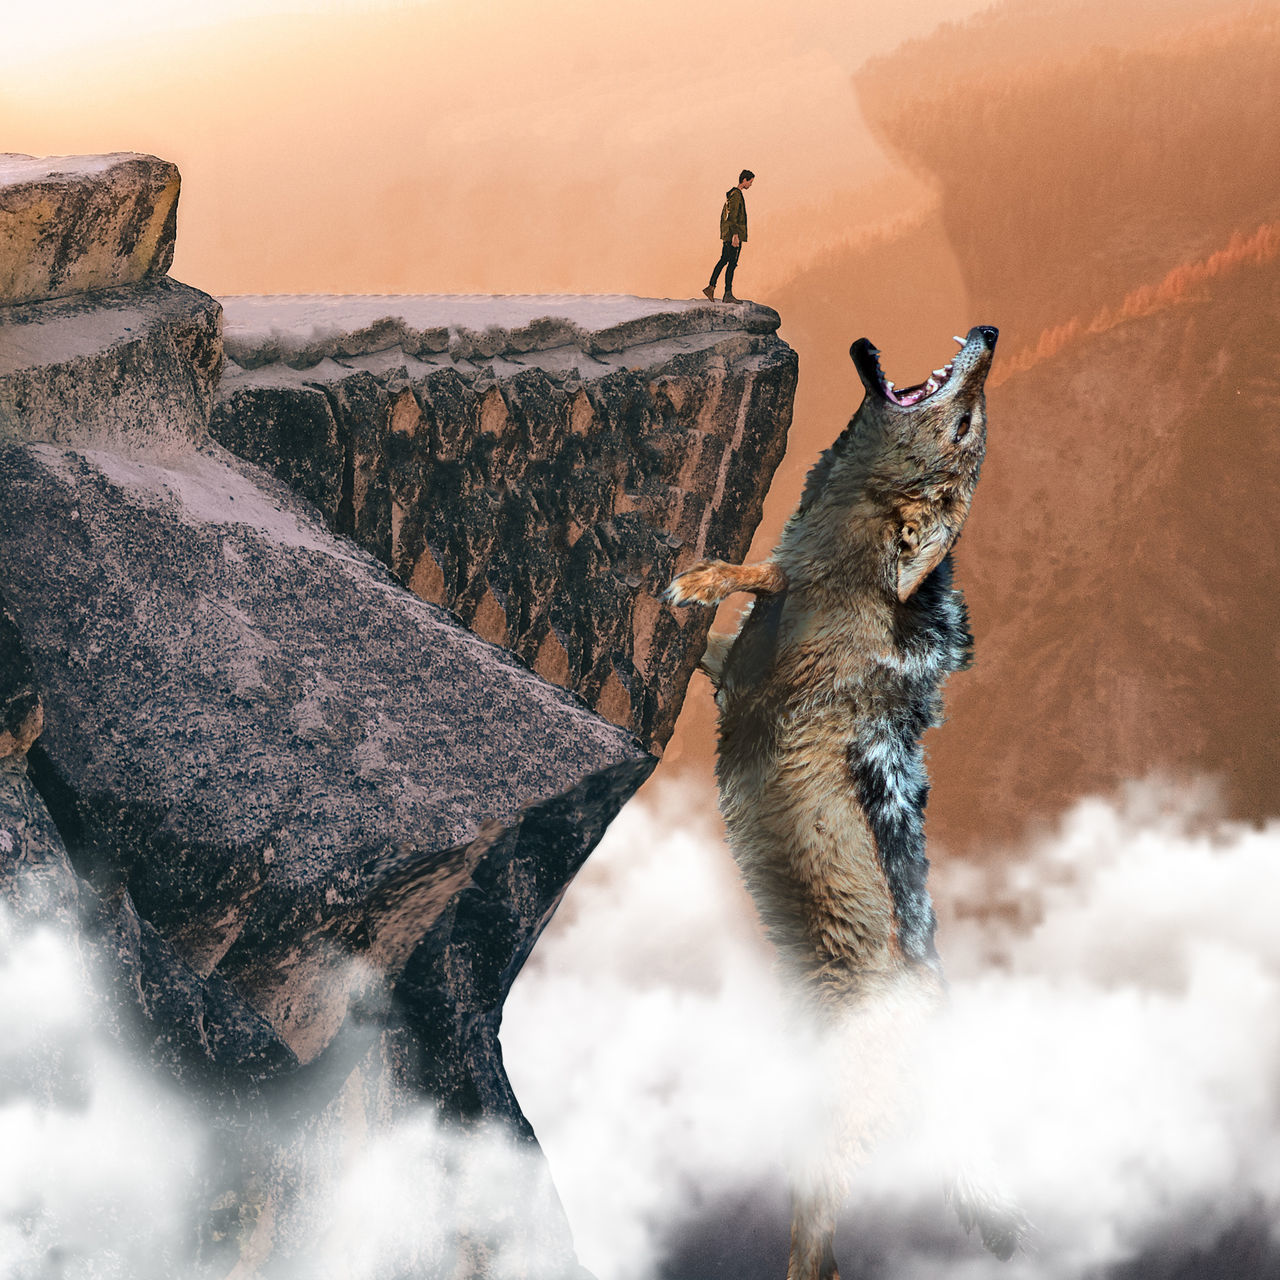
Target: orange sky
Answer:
pixel 507 146
pixel 492 146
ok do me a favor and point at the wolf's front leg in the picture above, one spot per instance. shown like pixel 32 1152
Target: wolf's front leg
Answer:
pixel 710 581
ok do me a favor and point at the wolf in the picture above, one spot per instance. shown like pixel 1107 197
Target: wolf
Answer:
pixel 823 694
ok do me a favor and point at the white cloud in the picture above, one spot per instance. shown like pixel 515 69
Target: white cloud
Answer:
pixel 1110 1051
pixel 94 1156
pixel 645 1038
pixel 1111 1045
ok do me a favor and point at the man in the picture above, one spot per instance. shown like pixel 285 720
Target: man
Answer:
pixel 733 233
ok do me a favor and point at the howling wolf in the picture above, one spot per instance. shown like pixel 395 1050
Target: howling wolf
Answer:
pixel 823 694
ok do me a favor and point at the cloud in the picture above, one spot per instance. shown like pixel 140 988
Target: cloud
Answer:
pixel 646 1037
pixel 105 1168
pixel 94 1155
pixel 1108 1054
pixel 420 1199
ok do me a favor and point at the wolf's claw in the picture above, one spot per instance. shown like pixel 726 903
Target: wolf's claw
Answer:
pixel 705 583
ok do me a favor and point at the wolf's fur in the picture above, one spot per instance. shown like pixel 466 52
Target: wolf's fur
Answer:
pixel 824 693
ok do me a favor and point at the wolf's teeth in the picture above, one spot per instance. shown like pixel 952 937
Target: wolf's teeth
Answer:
pixel 930 387
pixel 940 373
pixel 888 384
pixel 955 337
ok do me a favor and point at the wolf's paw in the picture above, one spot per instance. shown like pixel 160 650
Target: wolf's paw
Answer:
pixel 708 582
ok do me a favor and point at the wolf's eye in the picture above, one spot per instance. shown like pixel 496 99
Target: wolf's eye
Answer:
pixel 962 427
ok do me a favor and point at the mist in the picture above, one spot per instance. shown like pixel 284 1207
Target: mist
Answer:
pixel 1108 1058
pixel 96 1156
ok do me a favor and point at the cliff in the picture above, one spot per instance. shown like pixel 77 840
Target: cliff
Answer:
pixel 306 824
pixel 537 465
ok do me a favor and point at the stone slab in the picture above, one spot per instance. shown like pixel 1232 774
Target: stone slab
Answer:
pixel 300 330
pixel 269 724
pixel 126 368
pixel 75 224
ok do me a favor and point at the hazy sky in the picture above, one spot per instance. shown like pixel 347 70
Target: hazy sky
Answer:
pixel 38 37
pixel 508 146
pixel 494 146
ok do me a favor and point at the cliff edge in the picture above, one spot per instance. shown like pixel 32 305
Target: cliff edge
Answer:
pixel 306 824
pixel 539 465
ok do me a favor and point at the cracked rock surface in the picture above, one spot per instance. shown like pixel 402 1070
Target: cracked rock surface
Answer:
pixel 73 224
pixel 542 466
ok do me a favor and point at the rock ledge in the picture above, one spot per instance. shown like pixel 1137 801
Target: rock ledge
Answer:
pixel 72 224
pixel 541 466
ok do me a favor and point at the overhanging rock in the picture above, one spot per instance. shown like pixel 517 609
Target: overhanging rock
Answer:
pixel 540 465
pixel 268 761
pixel 271 748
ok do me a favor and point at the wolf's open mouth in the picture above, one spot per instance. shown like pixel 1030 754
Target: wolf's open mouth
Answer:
pixel 981 339
pixel 909 395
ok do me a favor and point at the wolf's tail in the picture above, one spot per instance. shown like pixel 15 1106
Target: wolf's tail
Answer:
pixel 979 1202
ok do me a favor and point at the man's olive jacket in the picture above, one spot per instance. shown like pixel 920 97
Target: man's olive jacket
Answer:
pixel 733 217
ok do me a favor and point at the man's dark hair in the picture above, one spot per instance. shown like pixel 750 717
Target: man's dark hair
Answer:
pixel 746 175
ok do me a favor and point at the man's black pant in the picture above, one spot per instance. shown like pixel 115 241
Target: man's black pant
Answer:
pixel 729 260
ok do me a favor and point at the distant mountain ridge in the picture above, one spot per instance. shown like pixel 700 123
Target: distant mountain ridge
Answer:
pixel 1066 184
pixel 1115 211
pixel 1179 286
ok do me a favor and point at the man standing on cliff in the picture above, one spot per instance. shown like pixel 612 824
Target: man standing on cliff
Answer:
pixel 733 234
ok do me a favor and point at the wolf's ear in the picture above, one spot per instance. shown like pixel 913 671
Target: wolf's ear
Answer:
pixel 865 359
pixel 923 540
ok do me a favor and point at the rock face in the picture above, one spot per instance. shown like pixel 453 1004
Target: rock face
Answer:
pixel 540 466
pixel 21 711
pixel 71 224
pixel 37 883
pixel 367 740
pixel 36 880
pixel 125 367
pixel 307 825
pixel 268 761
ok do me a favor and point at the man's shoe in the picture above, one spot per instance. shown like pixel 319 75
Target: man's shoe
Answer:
pixel 709 293
pixel 728 297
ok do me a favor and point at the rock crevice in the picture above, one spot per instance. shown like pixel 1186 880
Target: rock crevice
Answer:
pixel 540 481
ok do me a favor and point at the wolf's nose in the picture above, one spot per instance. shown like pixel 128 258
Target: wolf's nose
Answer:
pixel 989 335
